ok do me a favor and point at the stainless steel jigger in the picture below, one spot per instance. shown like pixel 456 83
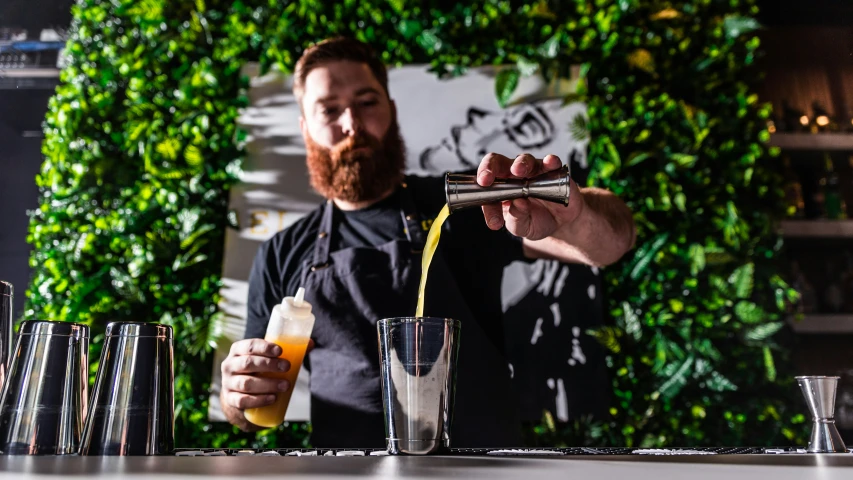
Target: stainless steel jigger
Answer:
pixel 820 397
pixel 463 190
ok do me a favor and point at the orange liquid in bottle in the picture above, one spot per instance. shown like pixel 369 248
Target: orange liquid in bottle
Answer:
pixel 293 350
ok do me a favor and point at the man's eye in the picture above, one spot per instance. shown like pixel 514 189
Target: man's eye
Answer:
pixel 369 103
pixel 329 111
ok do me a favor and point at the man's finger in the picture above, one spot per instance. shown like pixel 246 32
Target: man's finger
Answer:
pixel 525 165
pixel 255 346
pixel 517 217
pixel 243 401
pixel 254 364
pixel 551 162
pixel 254 385
pixel 493 165
pixel 494 216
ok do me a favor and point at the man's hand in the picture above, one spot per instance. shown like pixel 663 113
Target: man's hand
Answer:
pixel 242 387
pixel 532 218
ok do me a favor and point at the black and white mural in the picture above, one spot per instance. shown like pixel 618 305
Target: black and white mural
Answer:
pixel 448 125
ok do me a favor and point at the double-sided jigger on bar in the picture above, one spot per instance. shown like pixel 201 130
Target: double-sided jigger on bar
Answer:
pixel 43 402
pixel 820 398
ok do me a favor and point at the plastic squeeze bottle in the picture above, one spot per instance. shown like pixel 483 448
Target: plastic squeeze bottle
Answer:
pixel 290 328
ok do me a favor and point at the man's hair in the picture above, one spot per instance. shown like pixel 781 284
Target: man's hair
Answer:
pixel 332 50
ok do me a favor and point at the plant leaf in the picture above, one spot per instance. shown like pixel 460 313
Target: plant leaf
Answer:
pixel 505 85
pixel 769 365
pixel 697 258
pixel 645 256
pixel 749 312
pixel 735 25
pixel 678 380
pixel 762 332
pixel 719 383
pixel 742 279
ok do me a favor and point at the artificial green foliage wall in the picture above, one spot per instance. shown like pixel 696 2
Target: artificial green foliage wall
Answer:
pixel 141 148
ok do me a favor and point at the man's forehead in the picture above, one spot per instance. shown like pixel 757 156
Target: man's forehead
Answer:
pixel 340 78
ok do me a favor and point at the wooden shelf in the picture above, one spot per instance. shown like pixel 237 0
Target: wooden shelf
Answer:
pixel 823 324
pixel 817 228
pixel 809 141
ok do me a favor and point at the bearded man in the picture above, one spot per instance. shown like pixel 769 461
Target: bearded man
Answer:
pixel 358 256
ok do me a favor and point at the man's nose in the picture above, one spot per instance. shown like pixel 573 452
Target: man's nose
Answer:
pixel 349 121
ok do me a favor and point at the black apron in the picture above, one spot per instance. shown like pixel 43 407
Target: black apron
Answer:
pixel 353 288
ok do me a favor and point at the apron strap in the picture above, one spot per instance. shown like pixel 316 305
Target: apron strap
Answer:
pixel 411 220
pixel 324 238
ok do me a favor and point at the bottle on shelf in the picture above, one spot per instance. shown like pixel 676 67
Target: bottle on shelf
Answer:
pixel 794 203
pixel 808 296
pixel 833 295
pixel 794 120
pixel 822 121
pixel 834 205
pixel 847 281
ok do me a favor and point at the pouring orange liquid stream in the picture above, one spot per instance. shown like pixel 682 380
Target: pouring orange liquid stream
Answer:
pixel 429 250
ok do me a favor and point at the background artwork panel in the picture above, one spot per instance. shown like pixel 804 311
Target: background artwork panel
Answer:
pixel 447 125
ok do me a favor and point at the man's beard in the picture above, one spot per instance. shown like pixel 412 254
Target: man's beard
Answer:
pixel 357 176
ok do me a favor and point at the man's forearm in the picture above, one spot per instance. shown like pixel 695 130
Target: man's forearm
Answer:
pixel 236 417
pixel 599 235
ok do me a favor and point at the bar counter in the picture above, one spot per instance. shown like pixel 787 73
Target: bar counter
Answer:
pixel 592 466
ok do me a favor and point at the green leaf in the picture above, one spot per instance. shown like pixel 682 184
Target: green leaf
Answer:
pixel 632 322
pixel 551 47
pixel 680 202
pixel 192 155
pixel 763 332
pixel 608 337
pixel 734 26
pixel 742 280
pixel 578 128
pixel 612 153
pixel 677 380
pixel 749 312
pixel 505 85
pixel 719 383
pixel 683 160
pixel 697 258
pixel 637 158
pixel 646 254
pixel 526 67
pixel 769 365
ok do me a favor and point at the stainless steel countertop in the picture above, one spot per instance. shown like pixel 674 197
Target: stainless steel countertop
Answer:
pixel 621 467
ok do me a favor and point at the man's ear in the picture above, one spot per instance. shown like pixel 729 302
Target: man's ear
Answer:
pixel 303 127
pixel 393 108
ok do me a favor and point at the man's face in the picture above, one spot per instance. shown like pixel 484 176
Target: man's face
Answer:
pixel 349 125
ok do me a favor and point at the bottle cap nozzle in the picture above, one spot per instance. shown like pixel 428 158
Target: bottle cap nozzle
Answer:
pixel 296 303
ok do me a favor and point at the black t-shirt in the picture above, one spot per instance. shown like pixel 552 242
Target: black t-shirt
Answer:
pixel 476 255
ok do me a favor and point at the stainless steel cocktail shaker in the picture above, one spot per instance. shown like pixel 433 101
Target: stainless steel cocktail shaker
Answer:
pixel 43 404
pixel 463 190
pixel 6 332
pixel 132 409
